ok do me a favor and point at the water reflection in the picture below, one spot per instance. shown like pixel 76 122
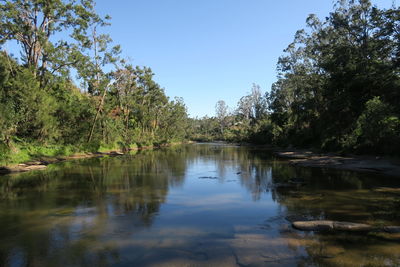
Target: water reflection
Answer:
pixel 152 209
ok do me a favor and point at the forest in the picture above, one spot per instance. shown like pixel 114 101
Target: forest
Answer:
pixel 76 93
pixel 337 89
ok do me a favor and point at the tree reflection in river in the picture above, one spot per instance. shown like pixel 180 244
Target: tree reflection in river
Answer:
pixel 152 209
pixel 79 202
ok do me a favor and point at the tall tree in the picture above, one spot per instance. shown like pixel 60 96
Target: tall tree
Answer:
pixel 221 112
pixel 35 23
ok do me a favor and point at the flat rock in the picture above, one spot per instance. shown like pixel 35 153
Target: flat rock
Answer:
pixel 35 162
pixel 354 163
pixel 313 225
pixel 36 167
pixel 353 227
pixel 331 225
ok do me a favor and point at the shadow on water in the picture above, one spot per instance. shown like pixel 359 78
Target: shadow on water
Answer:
pixel 158 208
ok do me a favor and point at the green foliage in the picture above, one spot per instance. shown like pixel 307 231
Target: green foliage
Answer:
pixel 34 25
pixel 43 113
pixel 377 129
pixel 338 83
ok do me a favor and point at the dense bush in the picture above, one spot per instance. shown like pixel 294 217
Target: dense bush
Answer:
pixel 377 129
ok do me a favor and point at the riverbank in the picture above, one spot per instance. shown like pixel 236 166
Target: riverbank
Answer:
pixel 305 158
pixel 41 162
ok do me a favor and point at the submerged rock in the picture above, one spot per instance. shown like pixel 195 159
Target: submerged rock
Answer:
pixel 313 225
pixel 331 225
pixel 348 226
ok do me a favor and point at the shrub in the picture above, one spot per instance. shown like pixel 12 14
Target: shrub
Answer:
pixel 377 130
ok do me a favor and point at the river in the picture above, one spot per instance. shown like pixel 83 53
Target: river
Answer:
pixel 193 205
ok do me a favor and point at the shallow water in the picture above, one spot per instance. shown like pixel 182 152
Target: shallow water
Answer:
pixel 193 205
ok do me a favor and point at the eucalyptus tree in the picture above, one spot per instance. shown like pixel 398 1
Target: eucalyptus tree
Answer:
pixel 221 112
pixel 38 26
pixel 252 107
pixel 124 90
pixel 99 54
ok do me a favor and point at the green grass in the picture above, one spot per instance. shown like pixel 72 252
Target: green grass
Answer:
pixel 24 152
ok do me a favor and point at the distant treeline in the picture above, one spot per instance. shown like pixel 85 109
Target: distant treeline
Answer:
pixel 43 111
pixel 338 88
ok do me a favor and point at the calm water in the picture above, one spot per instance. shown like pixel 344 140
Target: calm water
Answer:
pixel 193 205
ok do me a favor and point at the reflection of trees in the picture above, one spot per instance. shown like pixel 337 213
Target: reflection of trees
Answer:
pixel 63 214
pixel 251 166
pixel 67 213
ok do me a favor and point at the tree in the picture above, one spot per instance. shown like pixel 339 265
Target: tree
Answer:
pixel 332 69
pixel 252 107
pixel 33 24
pixel 221 111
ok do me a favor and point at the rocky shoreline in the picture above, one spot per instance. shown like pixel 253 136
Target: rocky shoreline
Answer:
pixel 354 163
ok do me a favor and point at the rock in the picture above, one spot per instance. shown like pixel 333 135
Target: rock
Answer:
pixel 33 163
pixel 313 225
pixel 35 167
pixel 392 229
pixel 352 227
pixel 331 225
pixel 21 168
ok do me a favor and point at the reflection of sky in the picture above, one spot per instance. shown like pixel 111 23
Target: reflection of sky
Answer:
pixel 214 203
pixel 209 205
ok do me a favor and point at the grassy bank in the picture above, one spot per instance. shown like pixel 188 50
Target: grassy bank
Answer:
pixel 22 153
pixel 26 152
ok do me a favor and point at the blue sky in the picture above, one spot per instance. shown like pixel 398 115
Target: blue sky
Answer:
pixel 207 50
